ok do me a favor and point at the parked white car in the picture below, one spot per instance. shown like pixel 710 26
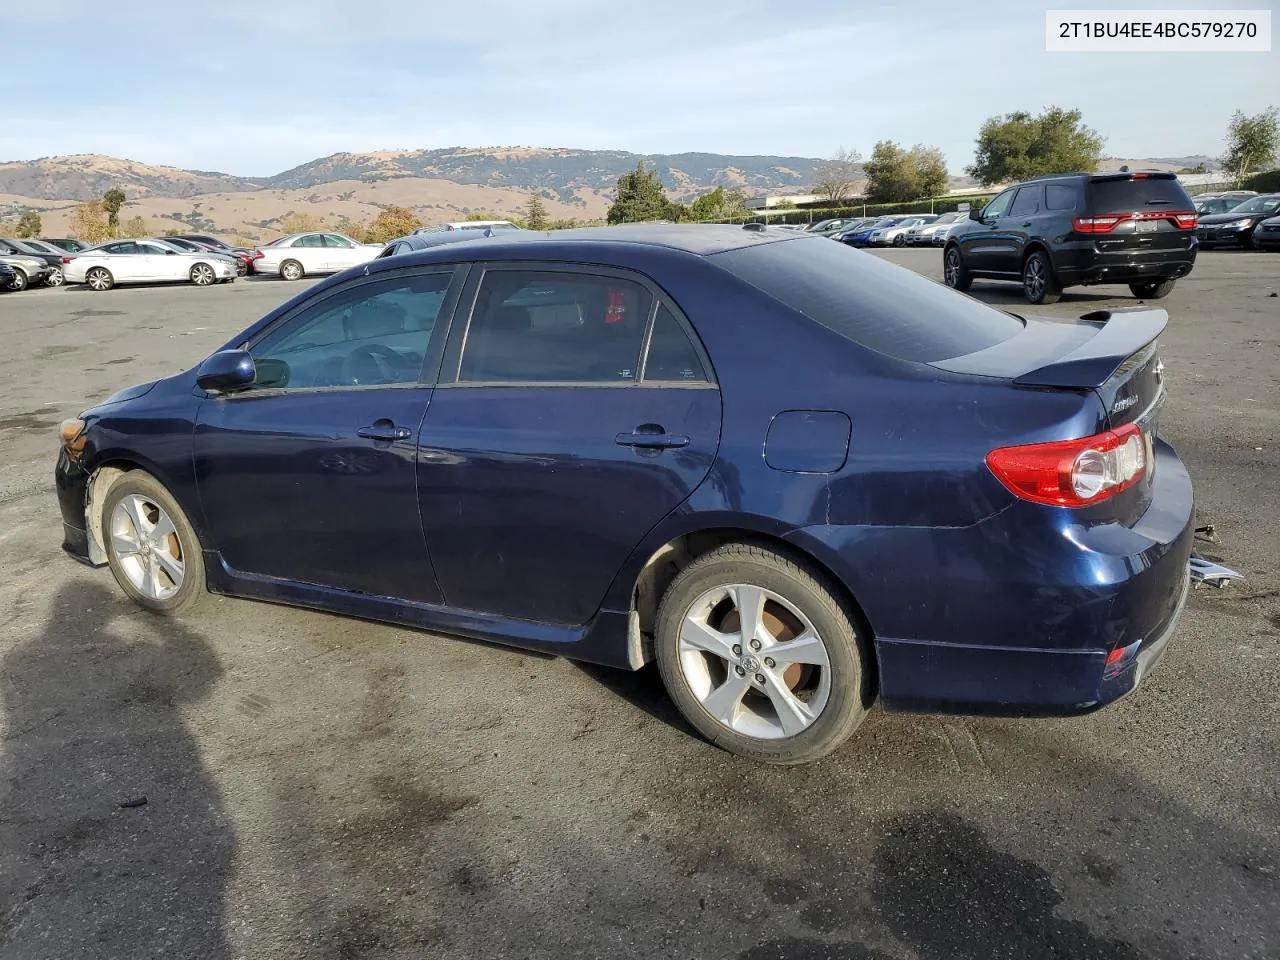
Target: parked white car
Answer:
pixel 144 261
pixel 303 254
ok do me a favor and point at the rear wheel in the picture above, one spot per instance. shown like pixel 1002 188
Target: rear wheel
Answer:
pixel 954 272
pixel 1038 282
pixel 761 657
pixel 19 281
pixel 99 278
pixel 202 275
pixel 151 547
pixel 1152 291
pixel 291 270
pixel 55 278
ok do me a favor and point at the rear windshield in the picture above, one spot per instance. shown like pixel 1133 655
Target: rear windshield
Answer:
pixel 1127 196
pixel 883 307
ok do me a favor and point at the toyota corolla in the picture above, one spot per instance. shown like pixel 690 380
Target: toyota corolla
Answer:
pixel 797 477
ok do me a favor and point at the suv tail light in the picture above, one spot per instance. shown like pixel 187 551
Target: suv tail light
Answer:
pixel 258 255
pixel 1073 473
pixel 1182 219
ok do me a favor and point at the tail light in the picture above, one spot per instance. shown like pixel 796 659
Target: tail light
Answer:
pixel 258 255
pixel 1182 219
pixel 67 259
pixel 1073 473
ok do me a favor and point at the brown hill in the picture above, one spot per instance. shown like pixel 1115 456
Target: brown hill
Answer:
pixel 87 176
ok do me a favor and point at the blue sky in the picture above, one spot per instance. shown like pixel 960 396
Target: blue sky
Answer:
pixel 254 87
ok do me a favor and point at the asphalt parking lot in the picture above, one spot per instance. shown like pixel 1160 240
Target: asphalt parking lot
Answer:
pixel 323 787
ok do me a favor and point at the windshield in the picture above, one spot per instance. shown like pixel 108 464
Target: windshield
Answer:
pixel 1257 205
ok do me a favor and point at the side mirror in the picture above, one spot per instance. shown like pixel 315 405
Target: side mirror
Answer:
pixel 227 371
pixel 975 213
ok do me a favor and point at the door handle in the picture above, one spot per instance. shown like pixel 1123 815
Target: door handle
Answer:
pixel 1027 223
pixel 383 430
pixel 650 436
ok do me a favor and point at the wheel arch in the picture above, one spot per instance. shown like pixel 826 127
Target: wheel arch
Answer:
pixel 104 475
pixel 663 564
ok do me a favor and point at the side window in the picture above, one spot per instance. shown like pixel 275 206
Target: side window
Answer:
pixel 314 240
pixel 1059 196
pixel 152 249
pixel 330 240
pixel 671 356
pixel 999 206
pixel 1026 203
pixel 372 333
pixel 534 326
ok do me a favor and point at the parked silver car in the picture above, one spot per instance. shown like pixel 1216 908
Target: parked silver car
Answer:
pixel 921 235
pixel 896 235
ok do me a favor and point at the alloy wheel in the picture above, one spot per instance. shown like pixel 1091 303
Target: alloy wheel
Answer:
pixel 55 278
pixel 1033 279
pixel 754 661
pixel 99 279
pixel 146 547
pixel 951 269
pixel 202 275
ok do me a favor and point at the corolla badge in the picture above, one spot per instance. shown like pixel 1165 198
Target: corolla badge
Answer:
pixel 1123 404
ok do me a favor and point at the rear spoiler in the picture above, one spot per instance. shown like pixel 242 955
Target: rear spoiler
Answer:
pixel 1122 333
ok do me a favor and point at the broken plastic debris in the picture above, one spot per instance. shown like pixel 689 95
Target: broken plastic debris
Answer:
pixel 1214 574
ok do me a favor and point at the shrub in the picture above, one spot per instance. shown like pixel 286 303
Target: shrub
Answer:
pixel 1266 182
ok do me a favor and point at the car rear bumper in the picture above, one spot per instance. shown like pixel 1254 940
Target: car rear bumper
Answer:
pixel 262 266
pixel 1086 267
pixel 1017 614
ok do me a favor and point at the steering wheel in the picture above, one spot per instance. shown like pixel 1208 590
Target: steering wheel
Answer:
pixel 376 363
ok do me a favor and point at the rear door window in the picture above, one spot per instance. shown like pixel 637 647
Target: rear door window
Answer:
pixel 1026 202
pixel 1125 195
pixel 672 357
pixel 536 326
pixel 883 307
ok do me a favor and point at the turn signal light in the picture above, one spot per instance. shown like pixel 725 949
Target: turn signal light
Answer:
pixel 1073 473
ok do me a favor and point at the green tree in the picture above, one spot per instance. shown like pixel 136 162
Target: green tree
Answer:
pixel 536 213
pixel 930 170
pixel 836 178
pixel 709 206
pixel 639 197
pixel 1018 146
pixel 891 177
pixel 391 222
pixel 1252 142
pixel 29 225
pixel 112 201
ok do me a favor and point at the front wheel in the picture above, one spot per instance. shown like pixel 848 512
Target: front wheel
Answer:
pixel 202 275
pixel 1038 282
pixel 761 657
pixel 151 547
pixel 1152 291
pixel 899 241
pixel 19 281
pixel 291 270
pixel 954 272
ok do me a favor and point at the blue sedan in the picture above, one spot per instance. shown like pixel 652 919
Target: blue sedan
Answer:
pixel 797 477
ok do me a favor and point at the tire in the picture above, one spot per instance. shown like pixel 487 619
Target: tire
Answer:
pixel 203 275
pixel 291 270
pixel 55 279
pixel 19 281
pixel 899 241
pixel 1157 290
pixel 241 267
pixel 1039 285
pixel 99 279
pixel 140 497
pixel 1246 242
pixel 954 273
pixel 701 603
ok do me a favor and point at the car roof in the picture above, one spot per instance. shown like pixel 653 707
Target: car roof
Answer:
pixel 614 244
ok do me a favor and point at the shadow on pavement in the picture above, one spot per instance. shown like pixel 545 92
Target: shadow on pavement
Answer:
pixel 113 839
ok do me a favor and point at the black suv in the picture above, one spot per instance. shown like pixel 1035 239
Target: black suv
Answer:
pixel 1079 229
